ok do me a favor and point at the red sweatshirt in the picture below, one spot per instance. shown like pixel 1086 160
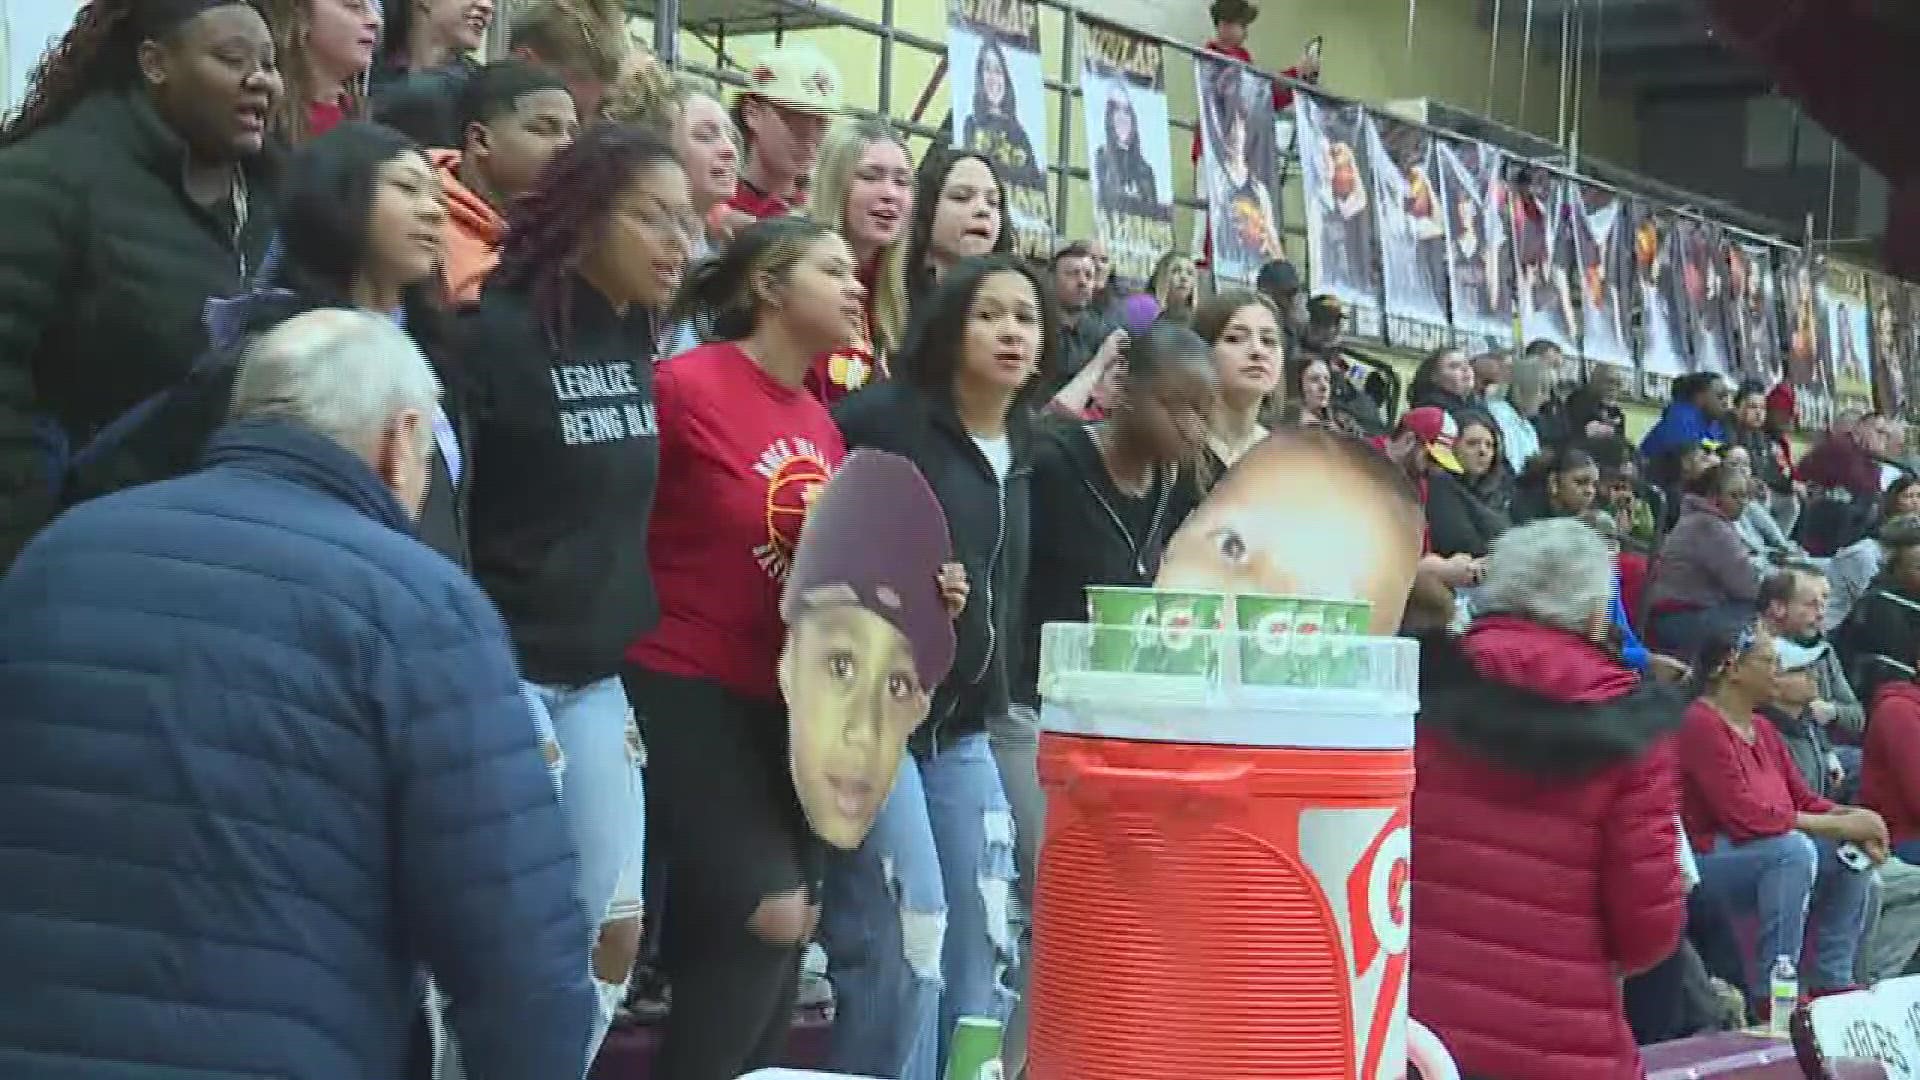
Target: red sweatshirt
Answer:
pixel 741 457
pixel 1890 774
pixel 1736 789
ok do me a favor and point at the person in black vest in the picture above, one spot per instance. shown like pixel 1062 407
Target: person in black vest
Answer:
pixel 961 411
pixel 566 454
pixel 133 187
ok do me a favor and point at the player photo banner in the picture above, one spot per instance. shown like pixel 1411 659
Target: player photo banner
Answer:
pixel 1890 317
pixel 999 106
pixel 1479 273
pixel 1545 258
pixel 1123 79
pixel 1752 304
pixel 1412 223
pixel 1335 171
pixel 1605 332
pixel 869 638
pixel 1702 250
pixel 1804 322
pixel 1238 167
pixel 1663 323
pixel 1843 300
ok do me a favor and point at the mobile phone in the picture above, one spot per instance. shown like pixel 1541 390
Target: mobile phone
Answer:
pixel 1314 46
pixel 1852 857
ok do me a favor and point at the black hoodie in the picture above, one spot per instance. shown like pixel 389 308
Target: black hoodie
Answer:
pixel 1085 532
pixel 566 453
pixel 988 522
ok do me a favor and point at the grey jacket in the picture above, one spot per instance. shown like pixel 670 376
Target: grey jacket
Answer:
pixel 1703 562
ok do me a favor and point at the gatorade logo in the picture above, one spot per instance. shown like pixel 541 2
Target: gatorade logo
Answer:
pixel 1273 632
pixel 1307 634
pixel 1177 629
pixel 1145 627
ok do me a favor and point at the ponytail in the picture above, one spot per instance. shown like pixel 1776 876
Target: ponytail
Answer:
pixel 721 297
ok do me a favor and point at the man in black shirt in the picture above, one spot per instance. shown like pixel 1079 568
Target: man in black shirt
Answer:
pixel 1085 330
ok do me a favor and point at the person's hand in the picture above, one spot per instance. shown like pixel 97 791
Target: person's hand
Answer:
pixel 1109 352
pixel 953 588
pixel 1876 851
pixel 1458 571
pixel 1822 711
pixel 723 221
pixel 1599 429
pixel 1665 669
pixel 1863 826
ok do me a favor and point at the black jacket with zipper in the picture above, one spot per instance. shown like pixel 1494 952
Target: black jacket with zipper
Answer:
pixel 1079 539
pixel 990 527
pixel 105 267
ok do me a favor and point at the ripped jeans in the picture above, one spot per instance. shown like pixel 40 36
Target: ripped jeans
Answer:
pixel 915 921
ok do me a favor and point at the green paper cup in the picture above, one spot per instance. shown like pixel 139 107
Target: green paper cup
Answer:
pixel 1346 620
pixel 1312 661
pixel 1126 625
pixel 975 1052
pixel 1187 620
pixel 1266 644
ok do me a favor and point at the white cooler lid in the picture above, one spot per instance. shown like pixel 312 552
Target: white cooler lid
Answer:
pixel 1182 709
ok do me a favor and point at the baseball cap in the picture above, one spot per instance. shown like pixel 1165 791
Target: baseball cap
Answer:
pixel 1437 431
pixel 797 76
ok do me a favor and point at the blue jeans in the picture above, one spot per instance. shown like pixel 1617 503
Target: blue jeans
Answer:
pixel 599 772
pixel 1792 881
pixel 915 920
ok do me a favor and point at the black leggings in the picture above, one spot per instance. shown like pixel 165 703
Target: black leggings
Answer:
pixel 723 817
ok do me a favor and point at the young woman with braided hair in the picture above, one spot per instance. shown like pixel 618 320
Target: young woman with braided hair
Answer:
pixel 134 188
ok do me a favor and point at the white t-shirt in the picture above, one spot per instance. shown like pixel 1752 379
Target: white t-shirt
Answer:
pixel 999 454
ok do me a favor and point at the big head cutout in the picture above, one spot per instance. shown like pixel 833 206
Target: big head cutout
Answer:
pixel 1305 512
pixel 868 638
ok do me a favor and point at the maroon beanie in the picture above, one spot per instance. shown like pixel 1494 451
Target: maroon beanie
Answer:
pixel 877 529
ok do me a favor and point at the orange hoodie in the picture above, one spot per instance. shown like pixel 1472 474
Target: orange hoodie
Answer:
pixel 474 231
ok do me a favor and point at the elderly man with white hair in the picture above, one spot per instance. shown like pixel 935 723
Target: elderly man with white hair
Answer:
pixel 269 759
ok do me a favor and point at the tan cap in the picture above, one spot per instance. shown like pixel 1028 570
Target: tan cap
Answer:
pixel 798 76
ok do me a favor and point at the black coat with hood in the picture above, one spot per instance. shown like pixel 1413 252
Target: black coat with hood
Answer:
pixel 163 436
pixel 1079 538
pixel 990 527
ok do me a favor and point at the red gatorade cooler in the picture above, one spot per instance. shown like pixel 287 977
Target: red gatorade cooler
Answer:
pixel 1224 881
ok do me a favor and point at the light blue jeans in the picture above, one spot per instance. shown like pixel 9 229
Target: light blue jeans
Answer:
pixel 915 920
pixel 599 772
pixel 1793 881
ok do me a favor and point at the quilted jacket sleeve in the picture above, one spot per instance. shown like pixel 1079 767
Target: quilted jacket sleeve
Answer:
pixel 487 868
pixel 38 249
pixel 1642 891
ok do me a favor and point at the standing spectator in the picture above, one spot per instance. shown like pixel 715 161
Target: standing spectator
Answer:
pixel 1243 331
pixel 1853 568
pixel 323 52
pixel 943 845
pixel 1358 390
pixel 433 38
pixel 307 762
pixel 1565 482
pixel 782 114
pixel 360 227
pixel 1444 380
pixel 958 213
pixel 1543 734
pixel 1697 412
pixel 1085 332
pixel 1279 281
pixel 1107 497
pixel 559 352
pixel 1175 284
pixel 134 188
pixel 513 118
pixel 1764 842
pixel 1702 578
pixel 743 449
pixel 1882 638
pixel 585 43
pixel 865 193
pixel 1791 603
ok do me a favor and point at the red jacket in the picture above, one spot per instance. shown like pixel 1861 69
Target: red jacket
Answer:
pixel 1890 774
pixel 1545 853
pixel 1738 789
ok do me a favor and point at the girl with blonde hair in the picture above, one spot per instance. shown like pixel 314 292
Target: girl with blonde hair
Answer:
pixel 863 189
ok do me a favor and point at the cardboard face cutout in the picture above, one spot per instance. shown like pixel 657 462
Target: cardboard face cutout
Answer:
pixel 1305 512
pixel 868 639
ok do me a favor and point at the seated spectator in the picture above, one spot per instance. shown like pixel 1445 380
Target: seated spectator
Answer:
pixel 1358 390
pixel 1853 568
pixel 1782 406
pixel 1766 544
pixel 1517 404
pixel 1766 843
pixel 1483 464
pixel 1466 511
pixel 1791 602
pixel 1279 281
pixel 1543 735
pixel 1682 470
pixel 1243 331
pixel 1637 507
pixel 1593 411
pixel 512 119
pixel 1697 412
pixel 1563 482
pixel 1884 437
pixel 1702 577
pixel 1843 489
pixel 1791 711
pixel 306 771
pixel 1882 638
pixel 1174 284
pixel 1085 331
pixel 1444 380
pixel 1310 397
pixel 1772 459
pixel 1890 771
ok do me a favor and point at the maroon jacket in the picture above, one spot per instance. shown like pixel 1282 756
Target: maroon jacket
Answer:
pixel 1546 853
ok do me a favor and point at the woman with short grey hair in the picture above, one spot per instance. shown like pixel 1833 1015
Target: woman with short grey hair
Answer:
pixel 1555 572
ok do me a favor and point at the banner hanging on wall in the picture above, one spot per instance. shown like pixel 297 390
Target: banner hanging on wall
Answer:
pixel 1663 321
pixel 1479 272
pixel 1843 301
pixel 1752 306
pixel 1343 253
pixel 1890 315
pixel 1804 322
pixel 1238 166
pixel 1605 333
pixel 1543 258
pixel 1412 223
pixel 1701 247
pixel 999 106
pixel 1124 91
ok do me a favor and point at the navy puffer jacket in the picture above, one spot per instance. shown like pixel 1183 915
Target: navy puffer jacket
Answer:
pixel 267 760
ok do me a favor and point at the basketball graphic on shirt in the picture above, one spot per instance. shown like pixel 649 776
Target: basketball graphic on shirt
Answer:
pixel 795 471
